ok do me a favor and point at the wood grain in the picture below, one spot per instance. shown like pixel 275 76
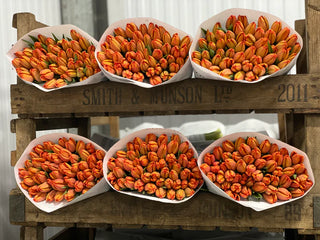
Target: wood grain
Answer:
pixel 291 93
pixel 205 210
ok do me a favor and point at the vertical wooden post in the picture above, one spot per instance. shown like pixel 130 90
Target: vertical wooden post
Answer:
pixel 25 133
pixel 312 121
pixel 33 233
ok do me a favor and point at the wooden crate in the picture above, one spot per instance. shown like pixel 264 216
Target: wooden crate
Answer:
pixel 294 97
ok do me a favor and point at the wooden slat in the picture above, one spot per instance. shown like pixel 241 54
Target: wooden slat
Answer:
pixel 13 158
pixel 312 122
pixel 298 93
pixel 25 133
pixel 33 233
pixel 24 23
pixel 201 211
pixel 301 66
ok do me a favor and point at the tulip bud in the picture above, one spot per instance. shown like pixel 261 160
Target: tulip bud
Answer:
pixel 240 47
pixel 283 34
pixel 283 64
pixel 260 33
pixel 236 67
pixel 259 187
pixel 226 73
pixel 259 70
pixel 250 28
pixel 283 194
pixel 238 27
pixel 272 69
pixel 270 58
pixel 276 26
pixel 175 40
pixel 239 75
pixel 231 22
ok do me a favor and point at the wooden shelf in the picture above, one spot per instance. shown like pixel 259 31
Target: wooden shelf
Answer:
pixel 294 97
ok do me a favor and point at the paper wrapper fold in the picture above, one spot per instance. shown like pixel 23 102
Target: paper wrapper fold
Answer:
pixel 99 188
pixel 252 15
pixel 59 31
pixel 184 73
pixel 121 145
pixel 256 205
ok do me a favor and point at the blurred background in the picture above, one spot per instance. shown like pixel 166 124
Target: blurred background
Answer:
pixel 93 16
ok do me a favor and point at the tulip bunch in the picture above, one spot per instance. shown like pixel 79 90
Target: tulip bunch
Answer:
pixel 157 166
pixel 55 62
pixel 144 53
pixel 246 51
pixel 63 170
pixel 246 168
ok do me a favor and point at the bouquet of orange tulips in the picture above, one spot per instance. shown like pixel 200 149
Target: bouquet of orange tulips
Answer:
pixel 248 168
pixel 144 51
pixel 157 164
pixel 59 171
pixel 246 50
pixel 54 61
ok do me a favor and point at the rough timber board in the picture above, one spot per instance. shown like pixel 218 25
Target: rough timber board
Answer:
pixel 205 210
pixel 299 93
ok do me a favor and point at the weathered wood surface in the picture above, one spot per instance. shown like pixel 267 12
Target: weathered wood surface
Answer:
pixel 297 93
pixel 205 210
pixel 312 122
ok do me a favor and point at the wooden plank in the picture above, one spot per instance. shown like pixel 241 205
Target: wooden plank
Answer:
pixel 308 231
pixel 84 127
pixel 296 93
pixel 282 127
pixel 200 211
pixel 312 8
pixel 301 66
pixel 13 158
pixel 25 133
pixel 312 121
pixel 16 206
pixel 114 126
pixel 24 23
pixel 33 233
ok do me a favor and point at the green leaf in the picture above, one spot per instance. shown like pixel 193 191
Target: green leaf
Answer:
pixel 69 39
pixel 29 43
pixel 270 48
pixel 34 39
pixel 55 38
pixel 44 46
pixel 222 29
pixel 212 53
pixel 255 196
pixel 230 27
pixel 149 49
pixel 215 134
pixel 204 31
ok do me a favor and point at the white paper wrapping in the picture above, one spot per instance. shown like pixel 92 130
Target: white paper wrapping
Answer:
pixel 252 15
pixel 121 145
pixel 256 205
pixel 59 31
pixel 100 187
pixel 184 73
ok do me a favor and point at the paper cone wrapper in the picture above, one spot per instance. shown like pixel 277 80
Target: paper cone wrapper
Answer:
pixel 256 205
pixel 252 15
pixel 184 73
pixel 48 207
pixel 121 145
pixel 59 31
